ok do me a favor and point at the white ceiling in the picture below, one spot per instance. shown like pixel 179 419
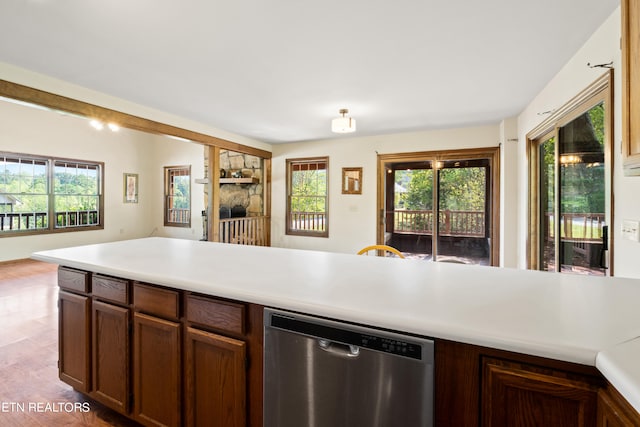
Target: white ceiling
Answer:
pixel 279 70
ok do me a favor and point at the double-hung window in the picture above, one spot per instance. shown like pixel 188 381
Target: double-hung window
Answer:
pixel 308 196
pixel 41 194
pixel 177 196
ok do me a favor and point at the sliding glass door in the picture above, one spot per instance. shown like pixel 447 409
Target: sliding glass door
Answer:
pixel 570 170
pixel 441 205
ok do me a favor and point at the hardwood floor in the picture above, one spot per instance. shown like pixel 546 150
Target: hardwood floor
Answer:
pixel 30 392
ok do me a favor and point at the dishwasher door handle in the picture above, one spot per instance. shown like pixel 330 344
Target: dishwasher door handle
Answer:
pixel 339 349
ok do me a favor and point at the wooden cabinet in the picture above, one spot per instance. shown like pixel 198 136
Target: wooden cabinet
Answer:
pixel 215 364
pixel 215 380
pixel 74 328
pixel 111 342
pixel 73 340
pixel 479 386
pixel 157 375
pixel 614 410
pixel 631 86
pixel 110 355
pixel 156 370
pixel 518 394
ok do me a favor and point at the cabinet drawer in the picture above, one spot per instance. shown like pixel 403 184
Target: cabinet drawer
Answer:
pixel 157 301
pixel 73 280
pixel 110 288
pixel 221 315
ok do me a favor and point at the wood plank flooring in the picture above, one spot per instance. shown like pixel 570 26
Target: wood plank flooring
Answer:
pixel 30 392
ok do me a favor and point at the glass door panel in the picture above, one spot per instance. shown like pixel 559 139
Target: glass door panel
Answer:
pixel 547 155
pixel 410 225
pixel 464 214
pixel 582 193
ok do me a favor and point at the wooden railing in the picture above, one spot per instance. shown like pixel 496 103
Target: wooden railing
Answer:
pixel 39 220
pixel 578 226
pixel 308 221
pixel 250 230
pixel 452 223
pixel 179 216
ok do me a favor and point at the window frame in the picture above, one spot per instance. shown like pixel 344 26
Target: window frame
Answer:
pixel 50 164
pixel 167 189
pixel 600 91
pixel 289 230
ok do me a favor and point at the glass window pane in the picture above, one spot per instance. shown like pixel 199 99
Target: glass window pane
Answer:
pixel 582 192
pixel 547 155
pixel 463 223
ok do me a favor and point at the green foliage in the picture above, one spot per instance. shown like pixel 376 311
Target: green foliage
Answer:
pixel 460 189
pixel 308 191
pixel 181 192
pixel 463 189
pixel 28 186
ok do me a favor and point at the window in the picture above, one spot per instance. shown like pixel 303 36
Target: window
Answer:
pixel 177 196
pixel 308 197
pixel 44 194
pixel 570 186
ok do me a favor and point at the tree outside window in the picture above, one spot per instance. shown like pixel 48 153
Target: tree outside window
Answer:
pixel 307 196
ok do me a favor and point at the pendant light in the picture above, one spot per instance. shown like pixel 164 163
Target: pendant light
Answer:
pixel 343 124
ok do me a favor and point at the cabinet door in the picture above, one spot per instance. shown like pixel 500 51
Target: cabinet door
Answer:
pixel 156 370
pixel 514 394
pixel 215 369
pixel 110 353
pixel 73 340
pixel 614 410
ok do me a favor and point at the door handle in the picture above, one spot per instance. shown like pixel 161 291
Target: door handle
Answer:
pixel 605 246
pixel 344 350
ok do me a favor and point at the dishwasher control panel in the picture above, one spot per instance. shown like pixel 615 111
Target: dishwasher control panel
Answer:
pixel 355 335
pixel 388 345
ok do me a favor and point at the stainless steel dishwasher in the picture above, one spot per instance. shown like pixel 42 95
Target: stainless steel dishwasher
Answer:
pixel 323 373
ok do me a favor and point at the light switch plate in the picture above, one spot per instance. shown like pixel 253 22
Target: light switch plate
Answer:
pixel 631 230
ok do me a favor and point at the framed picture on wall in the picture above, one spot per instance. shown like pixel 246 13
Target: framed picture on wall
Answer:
pixel 130 190
pixel 351 180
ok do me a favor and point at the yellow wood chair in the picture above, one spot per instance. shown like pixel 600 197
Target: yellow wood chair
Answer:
pixel 382 250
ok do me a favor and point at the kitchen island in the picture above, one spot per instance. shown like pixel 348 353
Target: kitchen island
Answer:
pixel 576 320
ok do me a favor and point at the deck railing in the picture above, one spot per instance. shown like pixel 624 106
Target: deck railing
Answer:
pixel 308 221
pixel 452 223
pixel 250 230
pixel 15 221
pixel 178 216
pixel 578 226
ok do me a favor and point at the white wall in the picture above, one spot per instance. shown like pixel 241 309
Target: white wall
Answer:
pixel 167 152
pixel 33 131
pixel 602 47
pixel 352 218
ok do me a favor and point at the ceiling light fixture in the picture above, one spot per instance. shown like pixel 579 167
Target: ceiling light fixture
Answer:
pixel 343 124
pixel 96 124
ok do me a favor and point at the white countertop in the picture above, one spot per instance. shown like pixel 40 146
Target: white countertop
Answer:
pixel 566 317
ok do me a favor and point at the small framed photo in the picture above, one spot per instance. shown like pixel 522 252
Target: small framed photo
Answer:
pixel 130 188
pixel 351 180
